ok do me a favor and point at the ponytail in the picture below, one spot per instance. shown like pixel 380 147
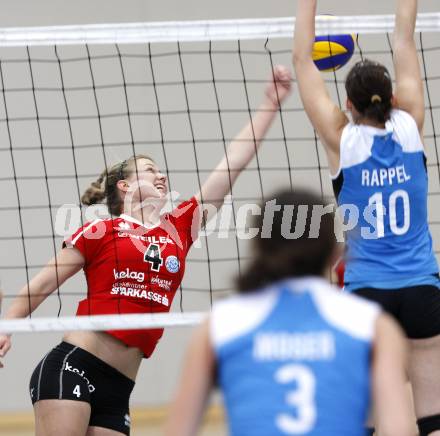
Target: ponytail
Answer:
pixel 95 193
pixel 378 110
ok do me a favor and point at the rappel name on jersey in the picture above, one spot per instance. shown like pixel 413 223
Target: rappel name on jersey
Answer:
pixel 283 346
pixel 385 176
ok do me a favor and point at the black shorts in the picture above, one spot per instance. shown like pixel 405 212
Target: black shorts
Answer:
pixel 71 373
pixel 416 308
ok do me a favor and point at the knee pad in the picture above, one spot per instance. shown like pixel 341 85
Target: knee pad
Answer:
pixel 428 424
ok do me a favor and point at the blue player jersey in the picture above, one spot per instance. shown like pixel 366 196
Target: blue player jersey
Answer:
pixel 294 359
pixel 383 186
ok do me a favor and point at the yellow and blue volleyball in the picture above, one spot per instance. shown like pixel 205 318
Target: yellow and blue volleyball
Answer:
pixel 332 52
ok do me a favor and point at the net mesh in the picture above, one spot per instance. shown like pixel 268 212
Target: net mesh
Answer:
pixel 68 111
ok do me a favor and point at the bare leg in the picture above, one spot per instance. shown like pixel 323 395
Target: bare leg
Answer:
pixel 424 376
pixel 61 417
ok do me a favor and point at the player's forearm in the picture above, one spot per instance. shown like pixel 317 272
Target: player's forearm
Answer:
pixel 304 31
pixel 29 298
pixel 406 15
pixel 408 92
pixel 243 148
pixel 238 154
pixel 66 263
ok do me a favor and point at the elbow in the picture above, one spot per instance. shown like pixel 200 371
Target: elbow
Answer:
pixel 296 58
pixel 400 42
pixel 300 58
pixel 403 40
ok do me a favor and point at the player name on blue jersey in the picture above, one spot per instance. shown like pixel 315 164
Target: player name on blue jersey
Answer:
pixel 281 346
pixel 293 358
pixel 384 176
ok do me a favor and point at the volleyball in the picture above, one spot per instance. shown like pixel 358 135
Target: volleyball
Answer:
pixel 331 52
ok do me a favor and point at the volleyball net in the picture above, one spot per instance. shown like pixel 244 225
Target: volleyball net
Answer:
pixel 76 99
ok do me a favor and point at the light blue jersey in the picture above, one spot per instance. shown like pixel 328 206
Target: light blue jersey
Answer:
pixel 383 186
pixel 294 360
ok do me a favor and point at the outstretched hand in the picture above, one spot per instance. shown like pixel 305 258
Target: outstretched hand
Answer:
pixel 5 340
pixel 280 85
pixel 5 345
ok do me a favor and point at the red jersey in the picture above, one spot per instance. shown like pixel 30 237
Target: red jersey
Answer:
pixel 131 268
pixel 340 271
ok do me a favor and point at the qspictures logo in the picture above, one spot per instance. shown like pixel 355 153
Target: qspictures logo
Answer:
pixel 368 222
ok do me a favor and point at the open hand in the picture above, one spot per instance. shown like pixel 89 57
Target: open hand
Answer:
pixel 5 345
pixel 280 85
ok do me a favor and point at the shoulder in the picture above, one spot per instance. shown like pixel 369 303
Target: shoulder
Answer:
pixel 399 116
pixel 405 131
pixel 185 208
pixel 353 315
pixel 355 146
pixel 88 230
pixel 240 314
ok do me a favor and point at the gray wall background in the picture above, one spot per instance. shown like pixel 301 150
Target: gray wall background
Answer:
pixel 159 374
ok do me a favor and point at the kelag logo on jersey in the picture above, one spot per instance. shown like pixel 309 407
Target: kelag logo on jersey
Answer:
pixel 172 264
pixel 128 274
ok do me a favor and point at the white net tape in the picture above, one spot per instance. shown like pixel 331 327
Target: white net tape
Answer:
pixel 102 322
pixel 220 30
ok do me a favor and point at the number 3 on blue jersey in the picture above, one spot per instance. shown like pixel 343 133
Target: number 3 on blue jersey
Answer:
pixel 303 399
pixel 152 255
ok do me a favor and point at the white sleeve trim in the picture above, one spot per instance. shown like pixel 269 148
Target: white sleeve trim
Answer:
pixel 353 315
pixel 355 146
pixel 73 242
pixel 406 132
pixel 239 315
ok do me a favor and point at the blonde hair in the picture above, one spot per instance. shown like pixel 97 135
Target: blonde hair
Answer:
pixel 104 188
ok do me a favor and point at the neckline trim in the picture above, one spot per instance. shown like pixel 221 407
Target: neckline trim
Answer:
pixel 140 223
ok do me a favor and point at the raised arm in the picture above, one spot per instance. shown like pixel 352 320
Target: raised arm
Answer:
pixel 326 117
pixel 67 262
pixel 195 385
pixel 244 146
pixel 409 95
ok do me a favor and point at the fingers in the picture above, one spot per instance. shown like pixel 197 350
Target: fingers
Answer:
pixel 282 73
pixel 4 347
pixel 282 79
pixel 2 351
pixel 279 86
